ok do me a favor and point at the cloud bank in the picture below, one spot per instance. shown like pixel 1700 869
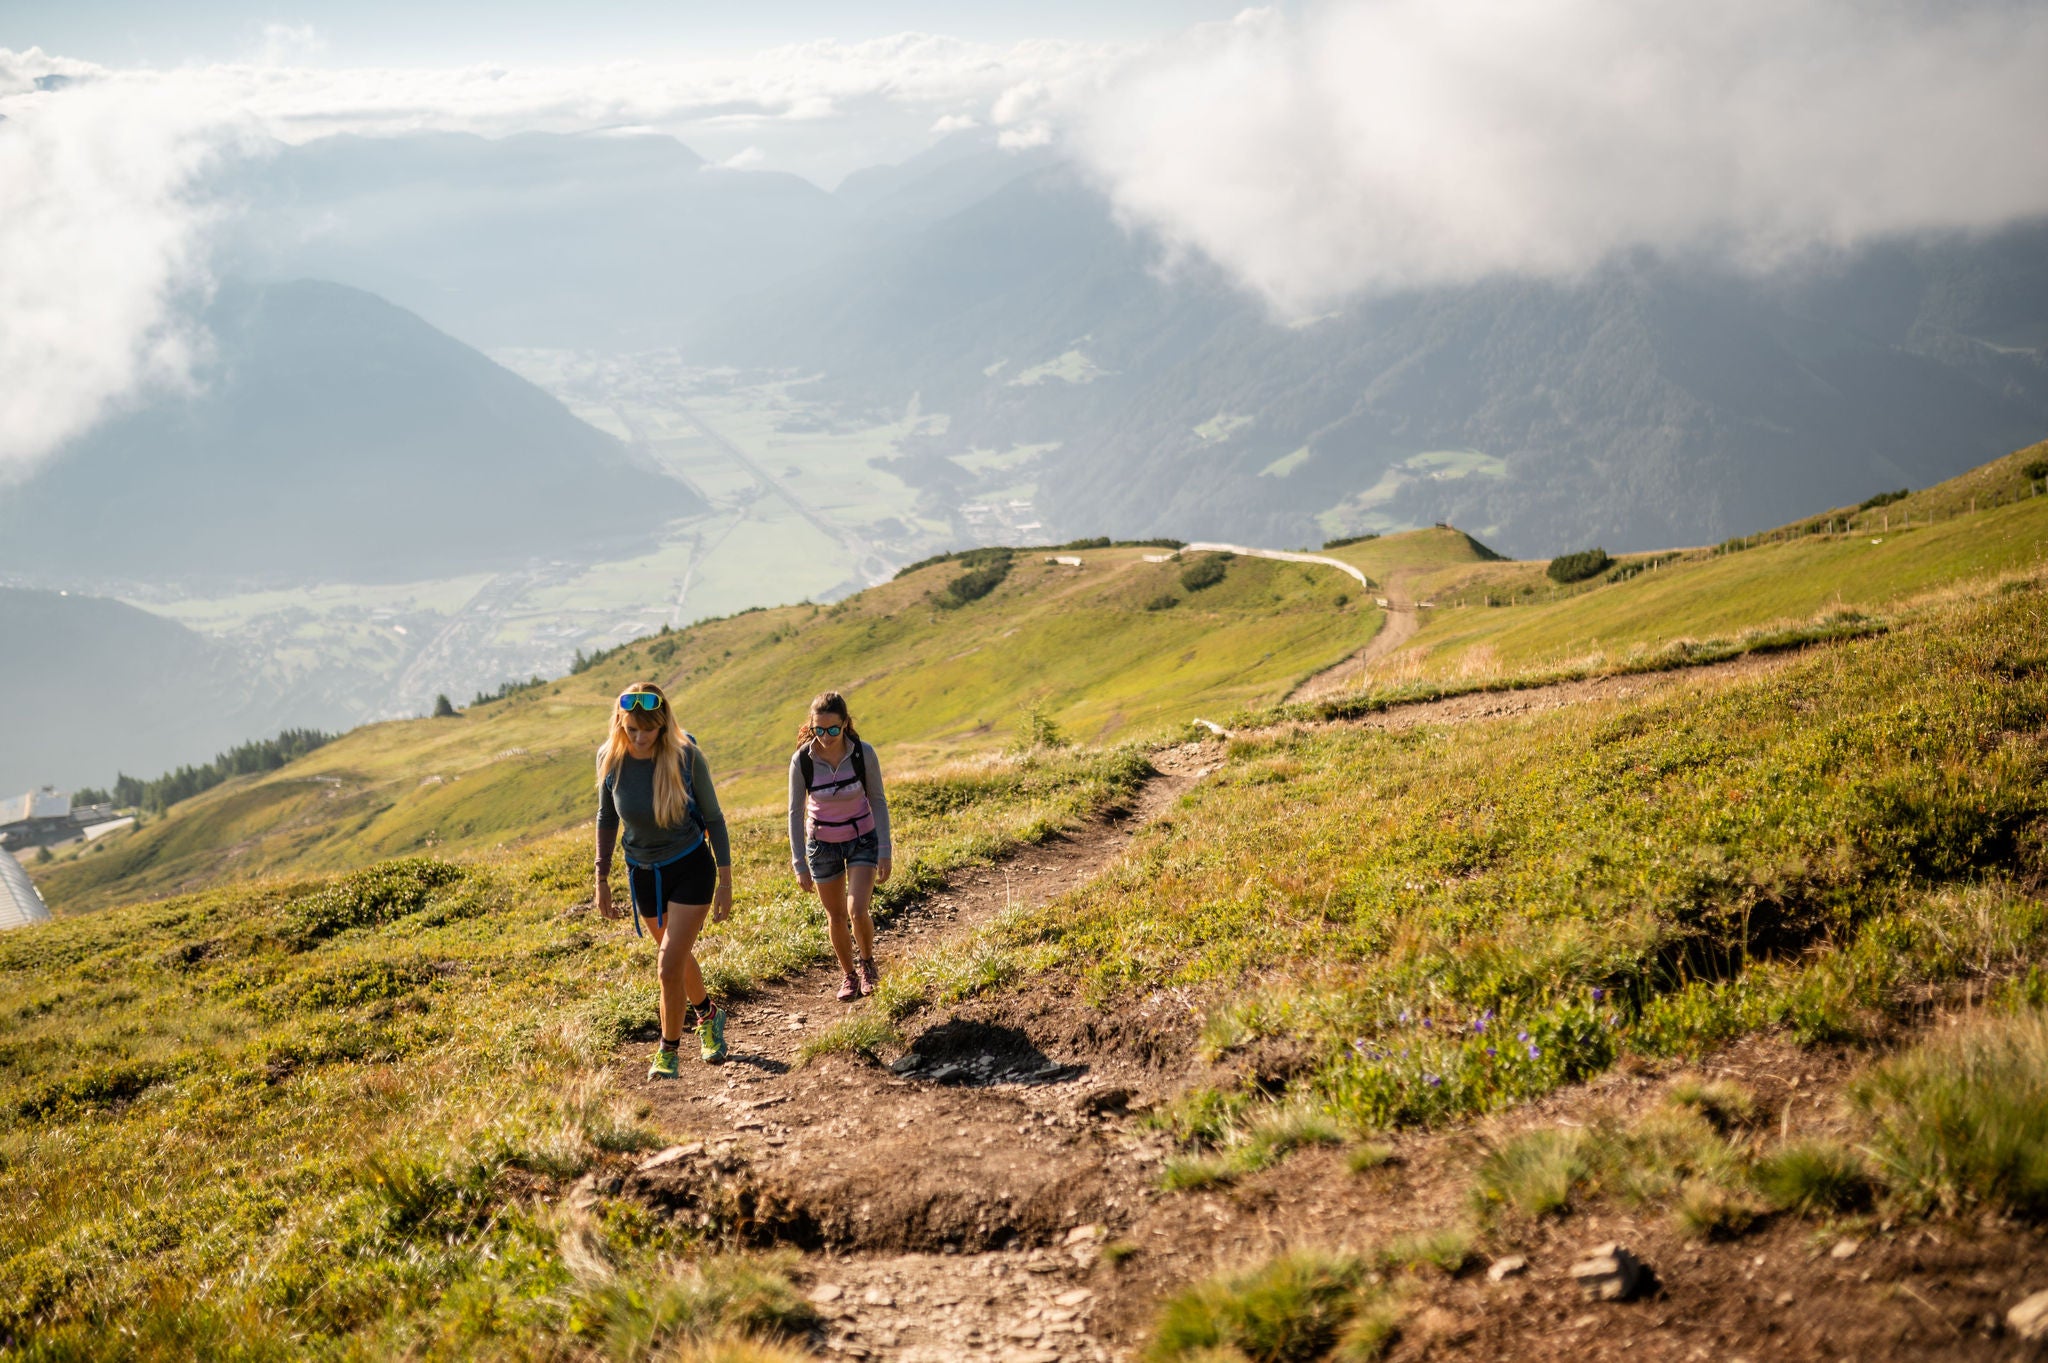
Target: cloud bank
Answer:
pixel 1374 145
pixel 99 237
pixel 1361 145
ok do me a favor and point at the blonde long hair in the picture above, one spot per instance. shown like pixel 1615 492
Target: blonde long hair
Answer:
pixel 671 750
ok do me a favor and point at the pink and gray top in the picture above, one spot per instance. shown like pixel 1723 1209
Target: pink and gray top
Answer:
pixel 837 807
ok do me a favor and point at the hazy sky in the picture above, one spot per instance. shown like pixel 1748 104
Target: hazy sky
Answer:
pixel 435 32
pixel 1314 151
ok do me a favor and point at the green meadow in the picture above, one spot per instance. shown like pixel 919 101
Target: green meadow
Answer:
pixel 928 683
pixel 316 1074
pixel 330 1116
pixel 1448 920
pixel 1499 619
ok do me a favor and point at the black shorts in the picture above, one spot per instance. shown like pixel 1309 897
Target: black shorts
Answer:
pixel 689 879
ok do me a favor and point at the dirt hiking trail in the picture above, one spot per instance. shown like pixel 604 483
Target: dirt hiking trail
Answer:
pixel 1402 624
pixel 995 1193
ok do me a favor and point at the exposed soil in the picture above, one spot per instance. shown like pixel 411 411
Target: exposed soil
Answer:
pixel 960 1208
pixel 1350 675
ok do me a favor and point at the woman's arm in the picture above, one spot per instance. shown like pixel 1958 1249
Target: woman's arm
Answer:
pixel 607 839
pixel 797 796
pixel 878 799
pixel 708 812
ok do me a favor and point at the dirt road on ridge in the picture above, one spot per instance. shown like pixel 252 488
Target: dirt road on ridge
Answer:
pixel 1402 623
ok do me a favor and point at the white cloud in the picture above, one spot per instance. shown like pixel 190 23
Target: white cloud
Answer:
pixel 1037 133
pixel 955 123
pixel 99 234
pixel 1379 144
pixel 100 238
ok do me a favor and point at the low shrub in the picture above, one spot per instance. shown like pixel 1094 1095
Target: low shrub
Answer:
pixel 1293 1309
pixel 388 890
pixel 1814 1178
pixel 1883 499
pixel 1577 567
pixel 1962 1118
pixel 1205 572
pixel 977 582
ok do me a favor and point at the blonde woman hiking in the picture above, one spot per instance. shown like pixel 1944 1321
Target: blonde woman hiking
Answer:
pixel 839 833
pixel 653 782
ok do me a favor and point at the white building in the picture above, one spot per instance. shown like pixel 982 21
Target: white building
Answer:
pixel 20 903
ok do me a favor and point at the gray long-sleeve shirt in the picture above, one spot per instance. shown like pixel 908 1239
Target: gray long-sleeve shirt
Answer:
pixel 799 809
pixel 627 800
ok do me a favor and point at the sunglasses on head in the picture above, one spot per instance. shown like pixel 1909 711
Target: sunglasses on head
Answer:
pixel 828 730
pixel 639 700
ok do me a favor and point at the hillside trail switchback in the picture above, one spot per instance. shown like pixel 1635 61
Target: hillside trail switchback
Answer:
pixel 958 1207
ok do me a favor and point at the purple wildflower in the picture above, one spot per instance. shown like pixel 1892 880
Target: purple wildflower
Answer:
pixel 1599 994
pixel 1534 1051
pixel 1478 1024
pixel 1489 1052
pixel 1425 1022
pixel 1521 1036
pixel 1432 1080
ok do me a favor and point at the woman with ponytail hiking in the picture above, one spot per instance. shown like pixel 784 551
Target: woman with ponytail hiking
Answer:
pixel 839 833
pixel 653 782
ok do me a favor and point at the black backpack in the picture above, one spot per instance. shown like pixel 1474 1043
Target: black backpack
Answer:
pixel 805 766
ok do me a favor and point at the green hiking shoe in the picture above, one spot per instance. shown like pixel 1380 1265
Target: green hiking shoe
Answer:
pixel 664 1065
pixel 711 1036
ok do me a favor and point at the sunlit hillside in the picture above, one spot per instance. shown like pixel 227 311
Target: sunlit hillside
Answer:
pixel 1115 649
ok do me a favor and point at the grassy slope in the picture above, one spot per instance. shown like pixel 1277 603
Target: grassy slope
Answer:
pixel 1451 920
pixel 926 685
pixel 282 1115
pixel 1702 592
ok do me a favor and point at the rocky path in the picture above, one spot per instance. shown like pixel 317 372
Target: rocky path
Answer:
pixel 994 1195
pixel 955 1208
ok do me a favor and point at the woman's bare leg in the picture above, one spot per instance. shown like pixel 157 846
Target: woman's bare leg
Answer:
pixel 682 983
pixel 861 881
pixel 832 894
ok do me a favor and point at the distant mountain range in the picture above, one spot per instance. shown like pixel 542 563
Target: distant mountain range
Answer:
pixel 89 687
pixel 1653 402
pixel 334 437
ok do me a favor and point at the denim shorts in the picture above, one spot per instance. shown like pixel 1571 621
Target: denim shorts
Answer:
pixel 828 859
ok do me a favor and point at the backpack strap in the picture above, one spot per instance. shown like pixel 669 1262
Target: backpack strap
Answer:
pixel 860 768
pixel 690 786
pixel 804 765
